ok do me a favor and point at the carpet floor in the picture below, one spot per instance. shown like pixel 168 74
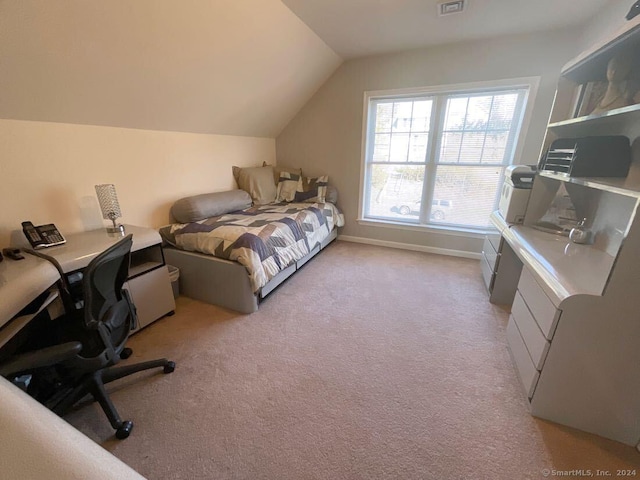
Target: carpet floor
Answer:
pixel 369 363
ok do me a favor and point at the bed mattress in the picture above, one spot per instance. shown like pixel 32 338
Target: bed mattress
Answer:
pixel 265 239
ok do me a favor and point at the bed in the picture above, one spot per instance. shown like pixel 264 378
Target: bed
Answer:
pixel 234 257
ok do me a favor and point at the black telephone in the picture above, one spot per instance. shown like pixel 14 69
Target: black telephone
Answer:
pixel 42 236
pixel 635 10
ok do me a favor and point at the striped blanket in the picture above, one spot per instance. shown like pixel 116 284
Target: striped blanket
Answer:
pixel 265 239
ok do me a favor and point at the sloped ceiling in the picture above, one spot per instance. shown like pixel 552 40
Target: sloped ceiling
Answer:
pixel 235 67
pixel 356 28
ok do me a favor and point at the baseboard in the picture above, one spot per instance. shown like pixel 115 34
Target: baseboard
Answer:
pixel 411 246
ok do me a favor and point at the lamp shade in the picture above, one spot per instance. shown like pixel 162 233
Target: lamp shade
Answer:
pixel 108 200
pixel 109 205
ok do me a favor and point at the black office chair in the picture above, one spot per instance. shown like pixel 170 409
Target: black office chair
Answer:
pixel 101 327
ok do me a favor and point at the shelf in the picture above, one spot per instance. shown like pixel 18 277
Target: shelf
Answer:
pixel 582 126
pixel 592 63
pixel 621 186
pixel 136 270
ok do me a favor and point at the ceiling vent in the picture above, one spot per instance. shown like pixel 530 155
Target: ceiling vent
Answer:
pixel 449 8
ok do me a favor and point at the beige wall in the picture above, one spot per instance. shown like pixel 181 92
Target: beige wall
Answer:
pixel 326 135
pixel 233 67
pixel 49 170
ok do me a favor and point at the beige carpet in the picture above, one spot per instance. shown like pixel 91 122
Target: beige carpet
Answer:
pixel 369 363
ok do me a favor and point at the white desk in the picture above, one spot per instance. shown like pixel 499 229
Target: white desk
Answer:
pixel 21 281
pixel 562 268
pixel 573 330
pixel 148 282
pixel 83 247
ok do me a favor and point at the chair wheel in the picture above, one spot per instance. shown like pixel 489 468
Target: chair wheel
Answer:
pixel 126 353
pixel 170 367
pixel 124 430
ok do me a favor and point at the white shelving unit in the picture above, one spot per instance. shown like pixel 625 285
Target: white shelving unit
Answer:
pixel 574 329
pixel 592 124
pixel 620 186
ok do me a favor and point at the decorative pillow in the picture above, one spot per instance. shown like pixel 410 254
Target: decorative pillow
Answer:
pixel 257 182
pixel 199 207
pixel 277 170
pixel 312 190
pixel 287 186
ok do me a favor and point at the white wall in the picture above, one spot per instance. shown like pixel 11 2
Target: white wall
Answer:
pixel 326 135
pixel 609 19
pixel 49 170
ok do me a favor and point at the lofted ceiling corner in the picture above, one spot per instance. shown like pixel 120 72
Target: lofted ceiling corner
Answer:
pixel 233 67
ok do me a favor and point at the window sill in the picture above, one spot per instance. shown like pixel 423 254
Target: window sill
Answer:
pixel 442 230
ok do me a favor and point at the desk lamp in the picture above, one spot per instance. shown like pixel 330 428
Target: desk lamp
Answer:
pixel 110 207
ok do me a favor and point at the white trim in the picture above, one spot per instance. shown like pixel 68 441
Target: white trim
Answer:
pixel 412 247
pixel 431 228
pixel 519 82
pixel 530 100
pixel 363 154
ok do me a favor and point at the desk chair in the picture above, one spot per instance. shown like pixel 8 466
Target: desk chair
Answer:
pixel 102 326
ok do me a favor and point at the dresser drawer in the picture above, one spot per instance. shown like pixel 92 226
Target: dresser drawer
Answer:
pixel 489 253
pixel 496 241
pixel 542 309
pixel 152 295
pixel 536 343
pixel 526 369
pixel 487 272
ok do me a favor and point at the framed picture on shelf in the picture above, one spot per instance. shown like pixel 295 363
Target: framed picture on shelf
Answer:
pixel 576 101
pixel 586 98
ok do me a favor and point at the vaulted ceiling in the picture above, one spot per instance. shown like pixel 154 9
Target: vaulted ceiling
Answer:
pixel 237 67
pixel 355 28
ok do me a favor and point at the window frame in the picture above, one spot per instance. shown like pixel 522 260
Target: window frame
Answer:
pixel 434 139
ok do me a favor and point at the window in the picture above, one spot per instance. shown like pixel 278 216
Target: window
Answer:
pixel 439 158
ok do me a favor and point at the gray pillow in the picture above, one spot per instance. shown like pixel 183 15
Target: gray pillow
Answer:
pixel 199 207
pixel 332 194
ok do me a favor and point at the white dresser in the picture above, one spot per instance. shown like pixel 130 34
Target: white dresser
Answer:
pixel 574 329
